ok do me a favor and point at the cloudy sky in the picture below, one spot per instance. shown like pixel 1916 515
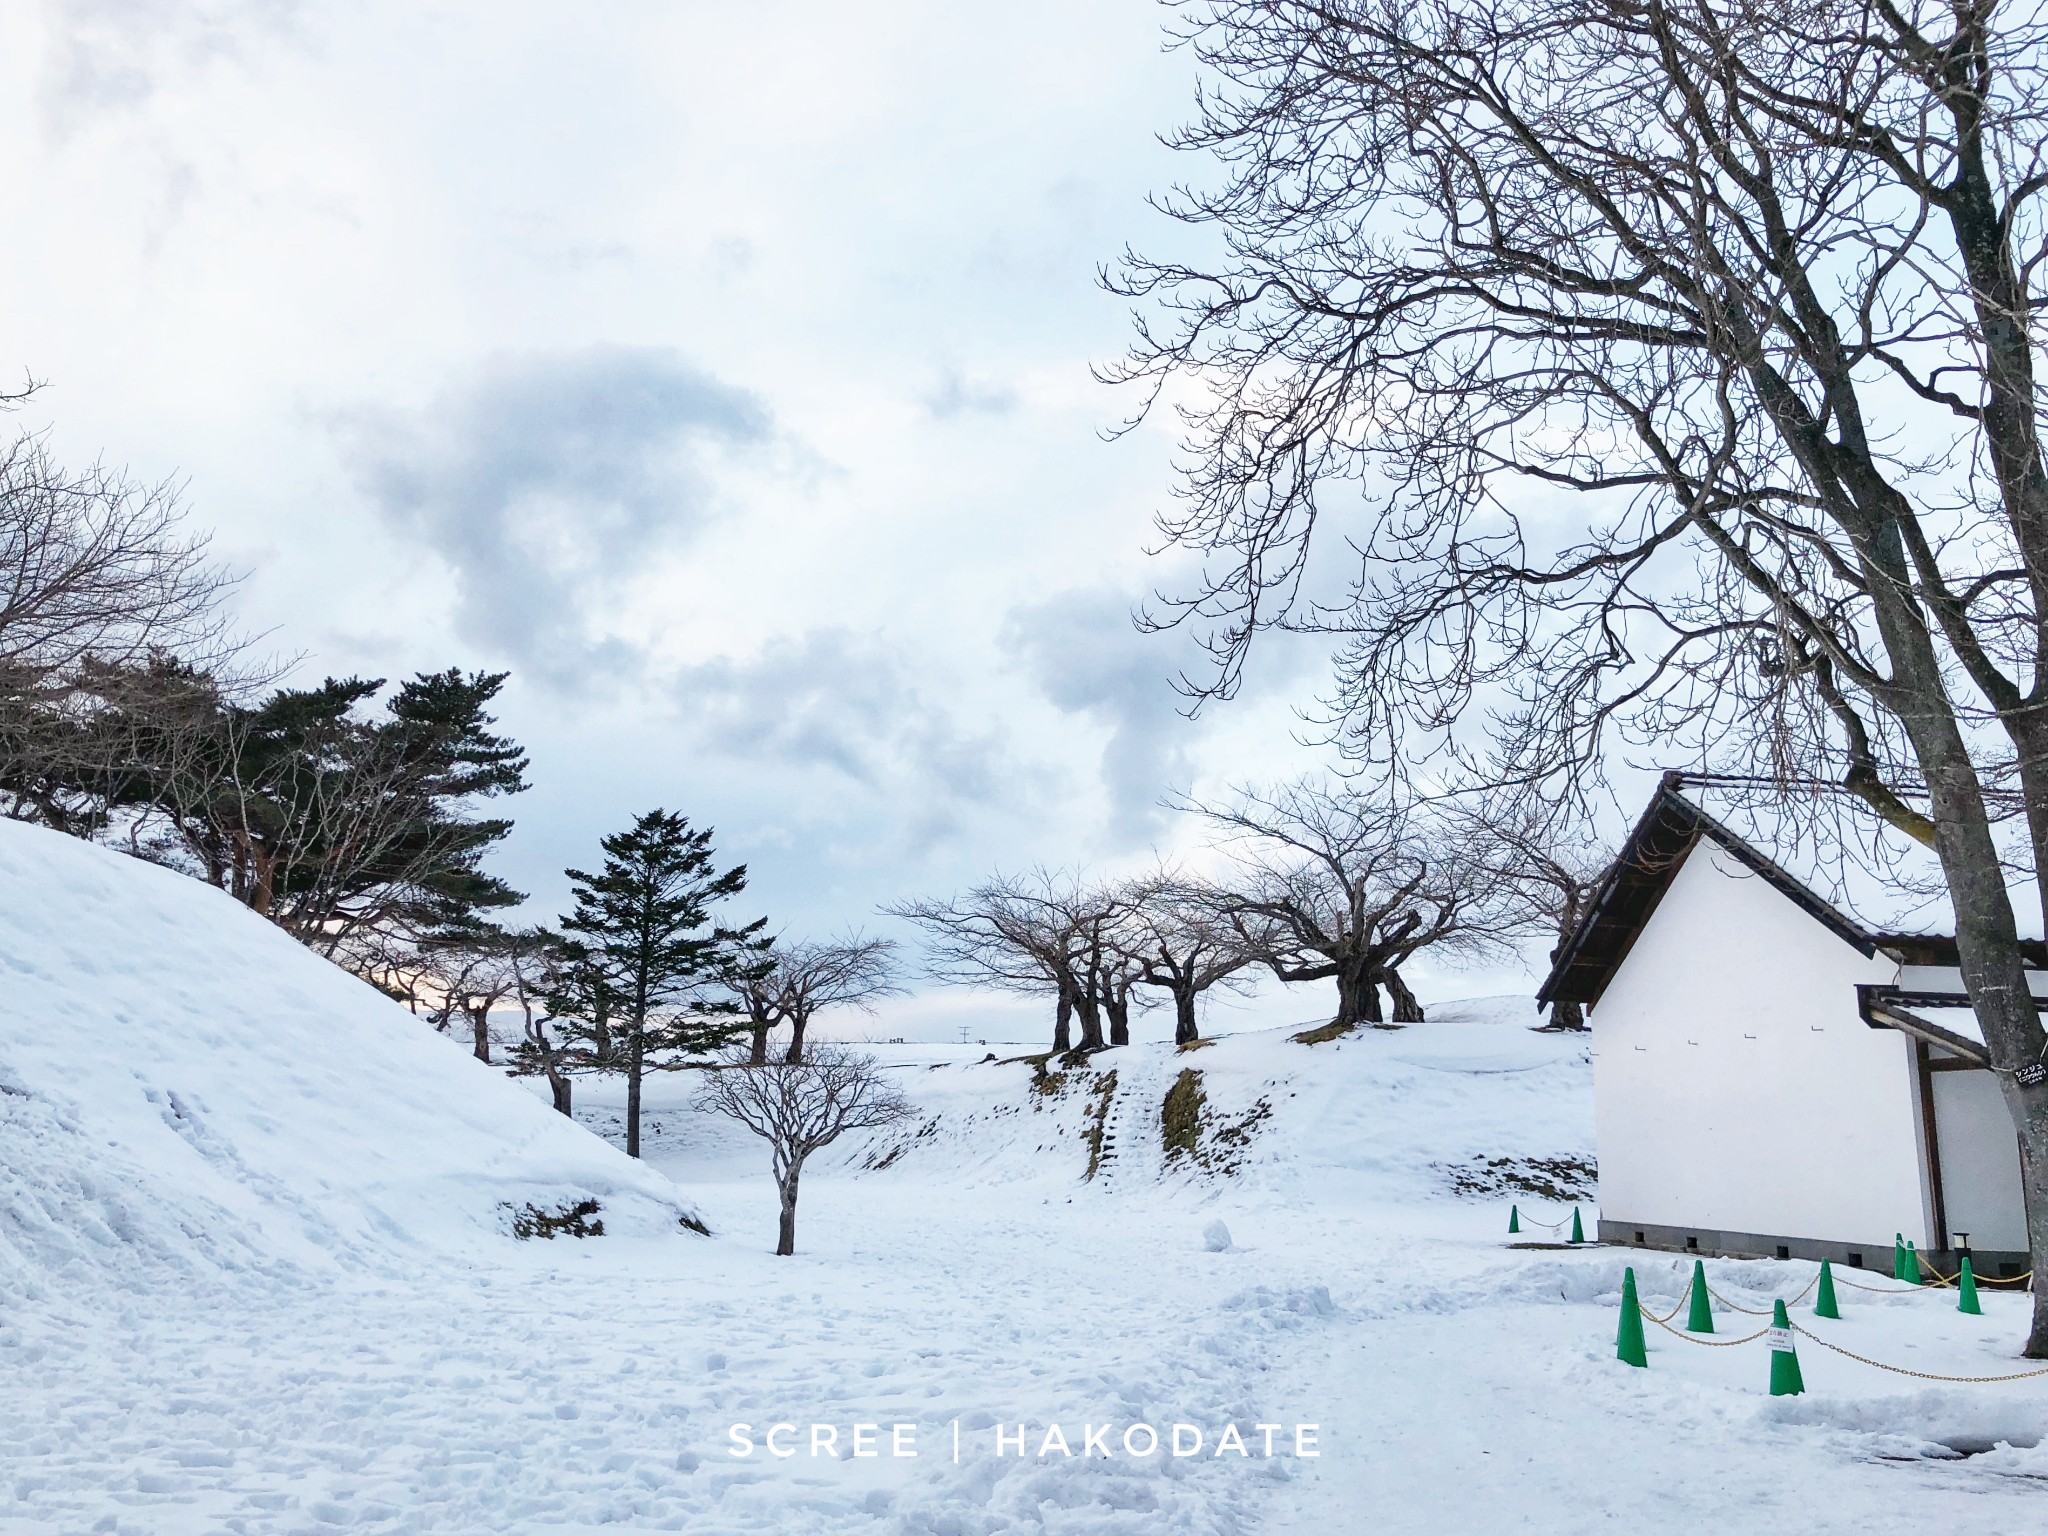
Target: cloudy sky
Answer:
pixel 720 370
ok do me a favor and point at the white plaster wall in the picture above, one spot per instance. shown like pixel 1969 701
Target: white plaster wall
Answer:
pixel 1980 1161
pixel 1735 1087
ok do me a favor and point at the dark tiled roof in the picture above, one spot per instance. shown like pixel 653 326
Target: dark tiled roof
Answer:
pixel 1649 861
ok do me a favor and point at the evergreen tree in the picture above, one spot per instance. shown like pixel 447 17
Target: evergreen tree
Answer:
pixel 345 825
pixel 643 926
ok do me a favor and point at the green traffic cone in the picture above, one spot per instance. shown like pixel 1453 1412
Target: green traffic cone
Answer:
pixel 1824 1303
pixel 1701 1318
pixel 1578 1231
pixel 1628 1340
pixel 1785 1378
pixel 1966 1285
pixel 1898 1255
pixel 1514 1219
pixel 1911 1274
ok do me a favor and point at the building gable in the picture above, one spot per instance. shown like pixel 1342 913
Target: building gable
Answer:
pixel 1656 849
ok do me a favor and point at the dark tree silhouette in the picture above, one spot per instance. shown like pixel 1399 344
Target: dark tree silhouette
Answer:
pixel 644 926
pixel 1672 366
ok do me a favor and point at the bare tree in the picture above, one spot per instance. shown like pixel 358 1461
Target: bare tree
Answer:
pixel 1757 281
pixel 537 957
pixel 788 983
pixel 1545 858
pixel 754 989
pixel 1186 937
pixel 1342 886
pixel 95 565
pixel 1044 934
pixel 800 1107
pixel 101 586
pixel 850 972
pixel 473 972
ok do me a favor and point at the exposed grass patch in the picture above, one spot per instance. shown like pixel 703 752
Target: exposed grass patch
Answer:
pixel 1044 1079
pixel 1194 1133
pixel 1564 1179
pixel 531 1221
pixel 1195 1045
pixel 690 1223
pixel 1180 1117
pixel 1228 1139
pixel 1323 1034
pixel 888 1155
pixel 1097 1121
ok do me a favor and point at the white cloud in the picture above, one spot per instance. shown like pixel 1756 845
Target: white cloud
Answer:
pixel 547 481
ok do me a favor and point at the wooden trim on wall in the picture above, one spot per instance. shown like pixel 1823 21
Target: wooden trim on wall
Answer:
pixel 1931 1139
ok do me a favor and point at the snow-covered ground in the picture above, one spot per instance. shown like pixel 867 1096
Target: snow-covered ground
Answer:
pixel 294 1309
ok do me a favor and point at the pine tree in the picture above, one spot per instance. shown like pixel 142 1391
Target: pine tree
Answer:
pixel 643 923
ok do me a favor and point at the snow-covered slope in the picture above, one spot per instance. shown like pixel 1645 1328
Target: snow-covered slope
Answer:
pixel 182 1085
pixel 1332 1254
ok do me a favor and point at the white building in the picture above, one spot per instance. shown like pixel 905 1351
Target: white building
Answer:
pixel 1774 1076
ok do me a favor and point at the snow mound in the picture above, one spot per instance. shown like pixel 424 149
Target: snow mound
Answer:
pixel 185 1088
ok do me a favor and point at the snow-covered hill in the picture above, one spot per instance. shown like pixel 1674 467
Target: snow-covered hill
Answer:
pixel 251 1279
pixel 184 1088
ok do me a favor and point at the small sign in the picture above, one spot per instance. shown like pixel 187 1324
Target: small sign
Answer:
pixel 2032 1075
pixel 1780 1340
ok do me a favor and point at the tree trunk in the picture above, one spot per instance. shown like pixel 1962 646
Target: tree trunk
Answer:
pixel 633 1065
pixel 1184 1027
pixel 1090 1011
pixel 480 1028
pixel 1358 998
pixel 1565 1015
pixel 264 890
pixel 1407 1008
pixel 1987 934
pixel 757 1050
pixel 798 1023
pixel 1118 1005
pixel 785 1238
pixel 1063 1024
pixel 560 1086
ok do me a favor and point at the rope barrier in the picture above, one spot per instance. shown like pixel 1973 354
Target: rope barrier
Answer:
pixel 1901 1370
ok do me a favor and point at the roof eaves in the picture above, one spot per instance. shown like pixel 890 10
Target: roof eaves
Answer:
pixel 1648 873
pixel 1885 1007
pixel 1656 817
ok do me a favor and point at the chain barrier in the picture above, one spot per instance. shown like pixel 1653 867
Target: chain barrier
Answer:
pixel 1749 1338
pixel 1664 1322
pixel 1653 1317
pixel 1941 1279
pixel 1736 1306
pixel 1907 1288
pixel 1900 1370
pixel 1901 1289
